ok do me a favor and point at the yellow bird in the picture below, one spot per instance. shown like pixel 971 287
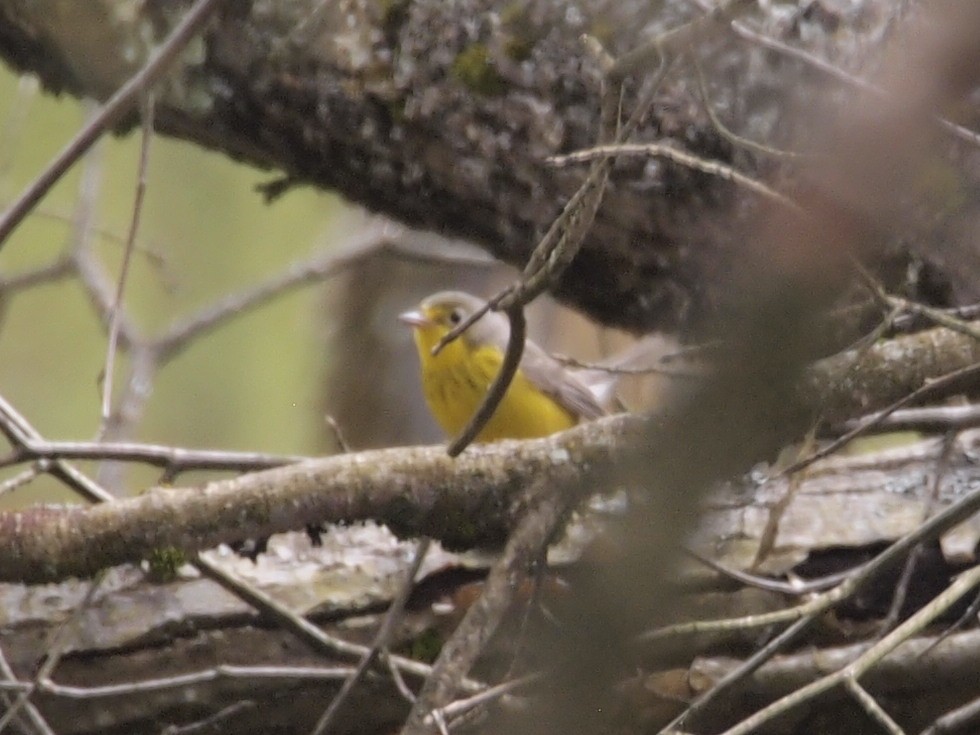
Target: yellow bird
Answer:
pixel 544 398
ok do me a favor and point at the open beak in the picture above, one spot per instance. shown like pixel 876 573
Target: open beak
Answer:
pixel 414 319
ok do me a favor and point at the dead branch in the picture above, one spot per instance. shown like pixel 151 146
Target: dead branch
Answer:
pixel 910 666
pixel 866 660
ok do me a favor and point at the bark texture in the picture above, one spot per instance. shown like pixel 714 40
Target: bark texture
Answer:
pixel 135 630
pixel 442 115
pixel 467 502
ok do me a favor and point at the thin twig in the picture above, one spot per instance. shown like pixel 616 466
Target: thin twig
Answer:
pixel 871 706
pixel 940 604
pixel 939 316
pixel 912 322
pixel 19 431
pixel 130 404
pixel 381 639
pixel 912 562
pixel 864 343
pixel 94 279
pixel 874 420
pixel 173 459
pixel 459 707
pixel 795 588
pixel 306 631
pixel 560 244
pixel 149 252
pixel 659 150
pixel 930 530
pixel 625 370
pixel 805 614
pixel 960 720
pixel 942 466
pixel 338 433
pixel 19 480
pixel 897 304
pixel 146 109
pixel 552 255
pixel 470 320
pixel 364 243
pixel 530 604
pixel 900 594
pixel 677 40
pixel 59 268
pixel 396 676
pixel 53 651
pixel 925 419
pixel 725 132
pixel 776 511
pixel 211 723
pixel 32 714
pixel 216 673
pixel 743 671
pixel 109 114
pixel 501 382
pixel 969 615
pixel 532 534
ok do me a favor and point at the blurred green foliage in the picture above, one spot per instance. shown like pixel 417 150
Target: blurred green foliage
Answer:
pixel 249 385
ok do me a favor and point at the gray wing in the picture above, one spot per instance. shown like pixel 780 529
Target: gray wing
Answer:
pixel 540 368
pixel 554 379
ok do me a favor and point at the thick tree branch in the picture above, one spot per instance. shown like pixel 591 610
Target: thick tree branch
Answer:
pixel 444 115
pixel 839 385
pixel 464 501
pixel 417 491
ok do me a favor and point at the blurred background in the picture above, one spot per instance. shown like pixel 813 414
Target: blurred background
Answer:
pixel 263 381
pixel 249 384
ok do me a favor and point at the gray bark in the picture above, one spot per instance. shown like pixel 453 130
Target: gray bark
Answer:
pixel 442 114
pixel 136 630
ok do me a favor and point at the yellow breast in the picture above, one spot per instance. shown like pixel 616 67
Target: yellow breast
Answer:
pixel 456 380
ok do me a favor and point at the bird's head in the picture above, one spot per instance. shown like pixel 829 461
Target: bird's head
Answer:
pixel 443 311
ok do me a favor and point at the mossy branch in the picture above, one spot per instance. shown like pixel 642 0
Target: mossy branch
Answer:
pixel 463 502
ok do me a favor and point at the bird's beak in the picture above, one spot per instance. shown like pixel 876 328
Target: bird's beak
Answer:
pixel 415 319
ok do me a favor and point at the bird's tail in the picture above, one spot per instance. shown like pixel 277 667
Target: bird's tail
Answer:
pixel 640 362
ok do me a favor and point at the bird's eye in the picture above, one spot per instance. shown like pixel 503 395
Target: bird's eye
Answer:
pixel 456 316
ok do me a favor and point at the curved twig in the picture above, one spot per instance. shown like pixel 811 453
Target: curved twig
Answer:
pixel 497 390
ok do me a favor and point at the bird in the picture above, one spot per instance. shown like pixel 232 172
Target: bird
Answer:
pixel 544 398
